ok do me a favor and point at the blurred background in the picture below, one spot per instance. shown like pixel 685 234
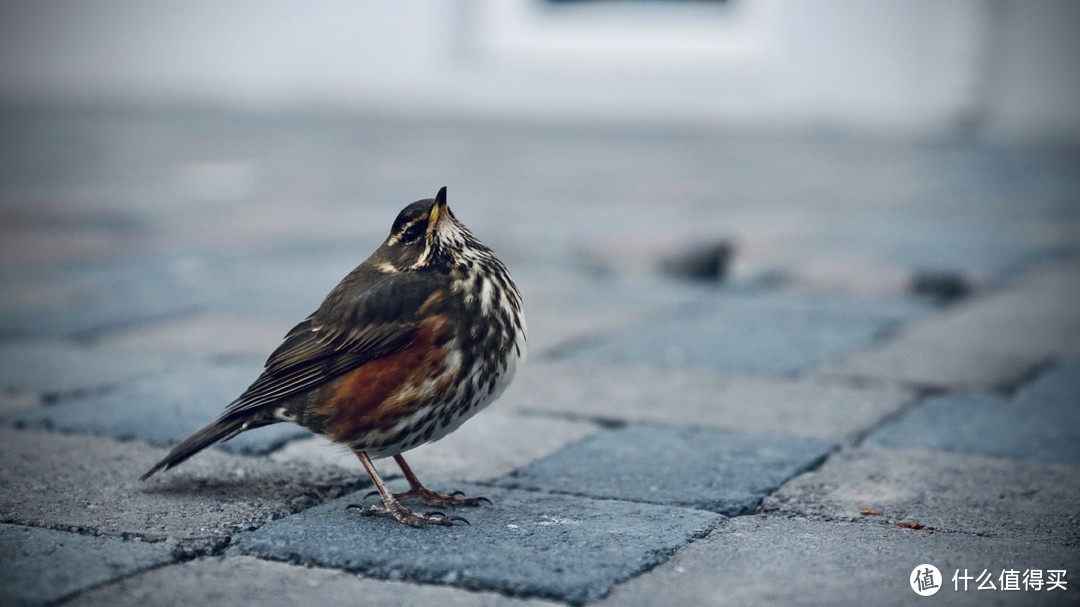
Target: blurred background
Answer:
pixel 1001 68
pixel 762 217
pixel 191 178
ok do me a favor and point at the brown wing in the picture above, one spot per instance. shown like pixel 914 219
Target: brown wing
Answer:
pixel 353 326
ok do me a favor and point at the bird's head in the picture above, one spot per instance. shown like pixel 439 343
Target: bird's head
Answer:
pixel 426 234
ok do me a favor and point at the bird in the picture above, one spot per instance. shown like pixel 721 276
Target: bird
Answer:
pixel 418 338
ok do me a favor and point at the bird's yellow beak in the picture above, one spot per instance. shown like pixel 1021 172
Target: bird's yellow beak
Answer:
pixel 437 209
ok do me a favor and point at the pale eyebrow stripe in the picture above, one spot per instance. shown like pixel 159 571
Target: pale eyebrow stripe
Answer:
pixel 396 236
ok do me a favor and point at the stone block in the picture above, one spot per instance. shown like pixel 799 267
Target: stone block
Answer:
pixel 829 410
pixel 162 409
pixel 42 566
pixel 91 484
pixel 1041 423
pixel 726 472
pixel 1022 502
pixel 771 560
pixel 572 549
pixel 244 581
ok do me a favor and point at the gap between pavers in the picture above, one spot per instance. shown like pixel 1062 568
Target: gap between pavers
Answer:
pixel 777 333
pixel 162 409
pixel 526 544
pixel 42 566
pixel 829 410
pixel 721 471
pixel 1040 423
pixel 989 342
pixel 244 581
pixel 779 560
pixel 947 492
pixel 86 483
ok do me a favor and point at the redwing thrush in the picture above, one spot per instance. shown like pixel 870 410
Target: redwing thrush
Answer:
pixel 416 340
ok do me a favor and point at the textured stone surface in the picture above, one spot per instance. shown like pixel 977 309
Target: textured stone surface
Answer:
pixel 82 301
pixel 528 544
pixel 558 317
pixel 753 333
pixel 1041 423
pixel 53 369
pixel 141 244
pixel 286 281
pixel 489 445
pixel 93 484
pixel 214 336
pixel 833 411
pixel 42 566
pixel 162 409
pixel 1022 502
pixel 243 581
pixel 726 472
pixel 987 342
pixel 95 300
pixel 789 561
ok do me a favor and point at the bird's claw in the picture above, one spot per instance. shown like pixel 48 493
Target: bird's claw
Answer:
pixel 409 517
pixel 441 500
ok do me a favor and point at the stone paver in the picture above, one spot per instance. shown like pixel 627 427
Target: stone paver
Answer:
pixel 97 300
pixel 490 445
pixel 162 409
pixel 85 301
pixel 210 336
pixel 287 282
pixel 833 411
pixel 1041 423
pixel 791 561
pixel 243 581
pixel 754 333
pixel 727 472
pixel 151 260
pixel 991 497
pixel 42 566
pixel 527 544
pixel 92 483
pixel 560 319
pixel 55 369
pixel 988 342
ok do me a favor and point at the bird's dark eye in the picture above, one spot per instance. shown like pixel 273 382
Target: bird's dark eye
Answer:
pixel 412 234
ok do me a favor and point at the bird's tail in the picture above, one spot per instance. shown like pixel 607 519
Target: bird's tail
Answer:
pixel 221 429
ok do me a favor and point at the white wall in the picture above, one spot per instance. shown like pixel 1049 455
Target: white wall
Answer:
pixel 1002 66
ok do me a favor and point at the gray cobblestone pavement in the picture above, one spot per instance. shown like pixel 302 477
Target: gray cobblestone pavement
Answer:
pixel 886 376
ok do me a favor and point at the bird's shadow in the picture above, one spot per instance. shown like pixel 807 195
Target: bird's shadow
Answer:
pixel 257 486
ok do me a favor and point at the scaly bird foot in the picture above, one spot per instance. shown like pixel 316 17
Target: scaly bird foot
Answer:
pixel 434 498
pixel 409 517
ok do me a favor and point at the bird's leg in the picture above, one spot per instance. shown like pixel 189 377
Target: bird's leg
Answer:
pixel 391 506
pixel 417 490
